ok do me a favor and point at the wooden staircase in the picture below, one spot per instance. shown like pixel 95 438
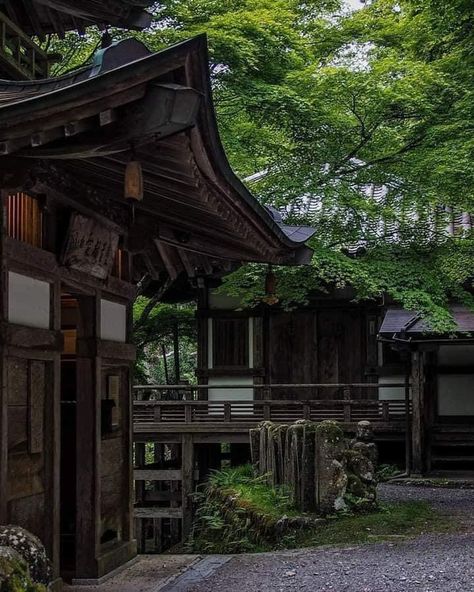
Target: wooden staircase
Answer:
pixel 452 447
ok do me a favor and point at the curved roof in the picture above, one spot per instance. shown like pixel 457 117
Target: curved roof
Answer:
pixel 79 129
pixel 399 323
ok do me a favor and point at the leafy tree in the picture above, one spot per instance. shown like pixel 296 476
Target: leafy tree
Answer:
pixel 166 343
pixel 360 125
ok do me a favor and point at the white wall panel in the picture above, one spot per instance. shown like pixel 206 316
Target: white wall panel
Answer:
pixel 242 393
pixel 391 393
pixel 113 321
pixel 29 301
pixel 456 394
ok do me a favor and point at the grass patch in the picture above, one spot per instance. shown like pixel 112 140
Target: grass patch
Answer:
pixel 237 513
pixel 254 492
pixel 397 520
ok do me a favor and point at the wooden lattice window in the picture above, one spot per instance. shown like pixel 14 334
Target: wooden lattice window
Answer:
pixel 230 343
pixel 25 219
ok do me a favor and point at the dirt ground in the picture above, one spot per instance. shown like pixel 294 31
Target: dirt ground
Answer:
pixel 428 563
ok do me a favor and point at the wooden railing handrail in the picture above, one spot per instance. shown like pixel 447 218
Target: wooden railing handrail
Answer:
pixel 194 387
pixel 251 411
pixel 271 402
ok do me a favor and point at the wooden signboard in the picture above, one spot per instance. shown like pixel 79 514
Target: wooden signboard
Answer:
pixel 90 247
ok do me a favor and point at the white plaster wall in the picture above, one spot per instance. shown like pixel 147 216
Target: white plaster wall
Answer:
pixel 391 393
pixel 244 392
pixel 113 321
pixel 29 301
pixel 456 394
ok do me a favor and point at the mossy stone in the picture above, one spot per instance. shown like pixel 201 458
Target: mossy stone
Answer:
pixel 14 575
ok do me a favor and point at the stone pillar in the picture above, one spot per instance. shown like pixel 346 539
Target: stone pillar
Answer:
pixel 330 476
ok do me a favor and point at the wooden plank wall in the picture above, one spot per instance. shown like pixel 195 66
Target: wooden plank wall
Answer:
pixel 318 346
pixel 29 443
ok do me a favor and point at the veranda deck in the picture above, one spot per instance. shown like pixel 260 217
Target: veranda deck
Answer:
pixel 163 419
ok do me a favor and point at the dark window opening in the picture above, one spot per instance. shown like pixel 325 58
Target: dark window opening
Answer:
pixel 230 343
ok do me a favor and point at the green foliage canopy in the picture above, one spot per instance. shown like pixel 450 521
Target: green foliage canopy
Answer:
pixel 361 125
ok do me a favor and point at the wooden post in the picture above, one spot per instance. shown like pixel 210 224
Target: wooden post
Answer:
pixel 3 390
pixel 188 413
pixel 176 462
pixel 408 456
pixel 140 449
pixel 418 414
pixel 227 412
pixel 187 484
pixel 385 411
pixel 347 405
pixel 157 413
pixel 88 443
pixel 306 411
pixel 126 403
pixel 266 412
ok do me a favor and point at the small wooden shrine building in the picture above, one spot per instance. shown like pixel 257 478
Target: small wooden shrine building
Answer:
pixel 74 253
pixel 370 351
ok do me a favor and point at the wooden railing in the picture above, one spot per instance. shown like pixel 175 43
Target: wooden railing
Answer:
pixel 179 404
pixel 252 412
pixel 19 55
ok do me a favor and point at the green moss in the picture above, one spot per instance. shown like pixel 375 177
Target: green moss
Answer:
pixel 16 577
pixel 330 430
pixel 238 512
pixel 405 519
pixel 253 492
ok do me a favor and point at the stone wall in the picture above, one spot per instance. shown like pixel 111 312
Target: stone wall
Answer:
pixel 321 469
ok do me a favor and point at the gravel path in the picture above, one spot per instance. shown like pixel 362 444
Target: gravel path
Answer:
pixel 429 563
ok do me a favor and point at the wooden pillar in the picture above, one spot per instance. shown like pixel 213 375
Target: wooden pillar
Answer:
pixel 3 390
pixel 88 442
pixel 140 450
pixel 126 402
pixel 418 413
pixel 53 460
pixel 187 470
pixel 203 341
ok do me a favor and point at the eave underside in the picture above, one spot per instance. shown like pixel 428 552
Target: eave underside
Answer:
pixel 42 17
pixel 75 135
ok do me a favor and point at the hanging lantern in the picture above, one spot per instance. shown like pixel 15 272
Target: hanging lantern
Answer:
pixel 133 189
pixel 270 287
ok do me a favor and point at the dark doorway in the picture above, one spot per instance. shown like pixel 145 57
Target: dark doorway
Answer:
pixel 69 325
pixel 76 323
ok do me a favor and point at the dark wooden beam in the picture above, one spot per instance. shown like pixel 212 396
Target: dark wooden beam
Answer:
pixel 3 384
pixel 78 108
pixel 418 430
pixel 170 258
pixel 187 456
pixel 43 265
pixel 139 124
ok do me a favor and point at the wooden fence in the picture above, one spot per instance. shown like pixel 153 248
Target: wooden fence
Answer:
pixel 183 405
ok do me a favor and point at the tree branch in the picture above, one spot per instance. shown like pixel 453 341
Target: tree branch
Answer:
pixel 154 301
